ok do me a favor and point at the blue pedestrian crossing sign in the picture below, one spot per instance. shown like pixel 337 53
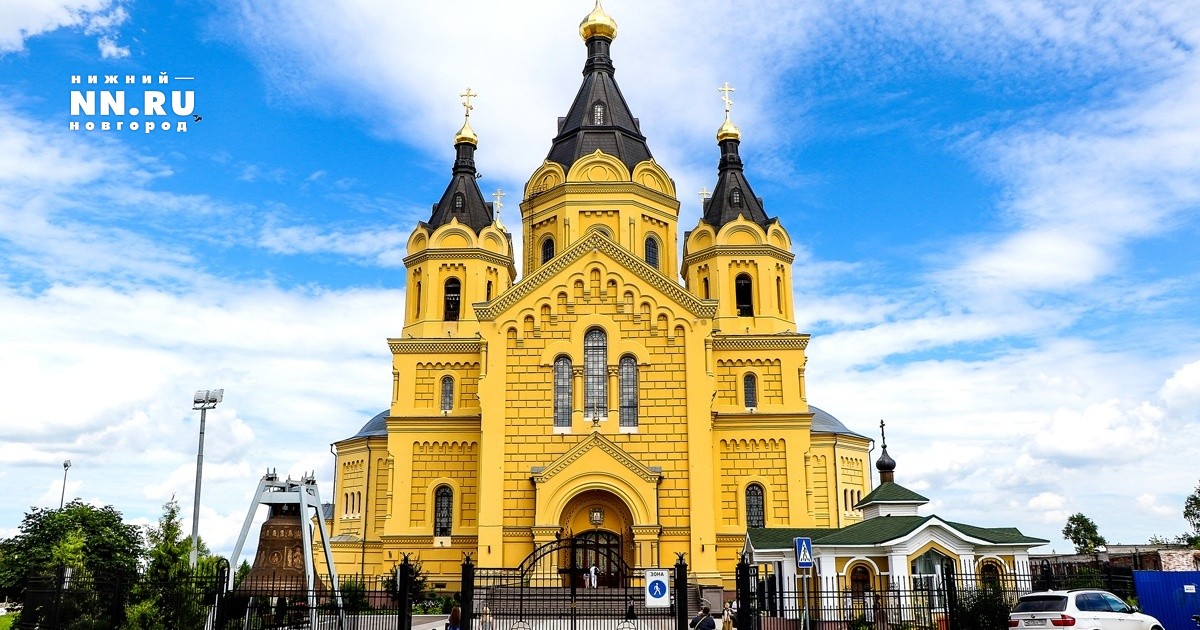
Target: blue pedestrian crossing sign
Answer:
pixel 804 554
pixel 658 593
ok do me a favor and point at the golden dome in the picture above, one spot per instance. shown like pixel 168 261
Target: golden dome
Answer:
pixel 728 131
pixel 598 24
pixel 466 134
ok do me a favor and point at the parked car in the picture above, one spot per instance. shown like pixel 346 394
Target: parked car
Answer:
pixel 1082 609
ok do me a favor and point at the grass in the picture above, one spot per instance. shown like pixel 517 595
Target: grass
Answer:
pixel 6 621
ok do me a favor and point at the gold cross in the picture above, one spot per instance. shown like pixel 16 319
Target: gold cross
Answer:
pixel 726 89
pixel 498 195
pixel 703 193
pixel 467 96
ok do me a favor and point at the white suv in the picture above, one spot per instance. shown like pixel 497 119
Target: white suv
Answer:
pixel 1083 609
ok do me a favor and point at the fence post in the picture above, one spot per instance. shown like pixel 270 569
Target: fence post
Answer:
pixel 404 594
pixel 745 597
pixel 468 592
pixel 951 594
pixel 681 592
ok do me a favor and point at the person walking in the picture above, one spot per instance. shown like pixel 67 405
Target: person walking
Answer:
pixel 454 621
pixel 703 620
pixel 727 616
pixel 594 576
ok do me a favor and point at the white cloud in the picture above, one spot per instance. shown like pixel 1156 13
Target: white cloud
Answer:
pixel 22 19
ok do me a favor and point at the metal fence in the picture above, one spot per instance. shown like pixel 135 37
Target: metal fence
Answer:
pixel 942 601
pixel 201 600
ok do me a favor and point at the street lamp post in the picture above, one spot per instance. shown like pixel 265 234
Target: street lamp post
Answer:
pixel 66 467
pixel 204 400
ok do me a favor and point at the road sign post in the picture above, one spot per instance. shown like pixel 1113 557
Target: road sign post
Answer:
pixel 804 561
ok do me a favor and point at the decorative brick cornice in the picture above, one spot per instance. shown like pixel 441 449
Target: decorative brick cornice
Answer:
pixel 435 346
pixel 597 440
pixel 596 241
pixel 738 251
pixel 787 341
pixel 458 253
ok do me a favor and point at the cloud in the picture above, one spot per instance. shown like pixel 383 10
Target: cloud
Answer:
pixel 24 19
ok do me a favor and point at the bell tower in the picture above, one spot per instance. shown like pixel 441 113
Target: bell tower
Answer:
pixel 736 254
pixel 461 256
pixel 599 174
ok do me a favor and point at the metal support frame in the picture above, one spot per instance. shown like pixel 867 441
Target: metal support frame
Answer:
pixel 304 493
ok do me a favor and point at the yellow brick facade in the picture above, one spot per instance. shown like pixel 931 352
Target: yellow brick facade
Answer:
pixel 496 400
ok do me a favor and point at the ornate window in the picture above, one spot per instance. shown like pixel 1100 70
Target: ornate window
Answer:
pixel 750 390
pixel 629 392
pixel 598 114
pixel 453 294
pixel 754 506
pixel 735 196
pixel 458 202
pixel 595 374
pixel 743 289
pixel 443 510
pixel 447 393
pixel 562 392
pixel 652 251
pixel 547 250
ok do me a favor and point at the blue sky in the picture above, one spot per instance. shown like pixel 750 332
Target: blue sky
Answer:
pixel 995 209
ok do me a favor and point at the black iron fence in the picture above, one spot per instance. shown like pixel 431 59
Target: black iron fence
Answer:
pixel 187 599
pixel 942 600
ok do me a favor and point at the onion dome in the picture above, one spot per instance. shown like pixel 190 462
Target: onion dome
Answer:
pixel 598 23
pixel 466 134
pixel 728 131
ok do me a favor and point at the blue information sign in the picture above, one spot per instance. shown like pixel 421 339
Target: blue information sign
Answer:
pixel 804 554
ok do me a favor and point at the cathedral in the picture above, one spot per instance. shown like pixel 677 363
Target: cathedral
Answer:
pixel 612 391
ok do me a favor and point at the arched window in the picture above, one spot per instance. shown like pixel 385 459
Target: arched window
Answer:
pixel 418 299
pixel 443 510
pixel 547 250
pixel 458 202
pixel 735 196
pixel 755 516
pixel 860 581
pixel 652 251
pixel 989 574
pixel 453 294
pixel 598 114
pixel 779 293
pixel 750 390
pixel 488 295
pixel 447 393
pixel 743 289
pixel 562 392
pixel 629 392
pixel 706 288
pixel 595 374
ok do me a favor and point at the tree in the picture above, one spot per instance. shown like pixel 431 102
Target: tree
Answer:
pixel 168 595
pixel 79 536
pixel 1082 532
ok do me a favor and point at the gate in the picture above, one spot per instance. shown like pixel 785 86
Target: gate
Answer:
pixel 578 583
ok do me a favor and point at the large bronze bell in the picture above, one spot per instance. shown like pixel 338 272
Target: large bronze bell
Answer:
pixel 279 564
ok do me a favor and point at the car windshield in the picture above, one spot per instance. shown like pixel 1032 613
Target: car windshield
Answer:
pixel 1041 603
